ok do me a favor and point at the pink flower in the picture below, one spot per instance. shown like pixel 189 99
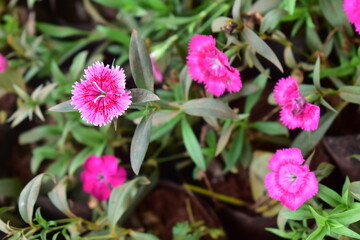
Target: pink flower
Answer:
pixel 295 111
pixel 157 73
pixel 290 182
pixel 3 63
pixel 101 96
pixel 352 10
pixel 210 66
pixel 100 175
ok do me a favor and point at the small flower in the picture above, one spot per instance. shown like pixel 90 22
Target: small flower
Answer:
pixel 296 112
pixel 351 8
pixel 100 175
pixel 101 96
pixel 157 73
pixel 3 63
pixel 210 66
pixel 290 182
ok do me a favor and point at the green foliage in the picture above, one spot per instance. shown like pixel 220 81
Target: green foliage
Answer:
pixel 194 231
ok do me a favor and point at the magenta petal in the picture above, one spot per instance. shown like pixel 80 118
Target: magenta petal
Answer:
pixel 118 178
pixel 101 191
pixel 285 156
pixel 93 163
pixel 351 8
pixel 286 90
pixel 88 180
pixel 110 164
pixel 3 63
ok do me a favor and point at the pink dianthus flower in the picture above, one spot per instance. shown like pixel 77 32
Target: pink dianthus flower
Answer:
pixel 210 66
pixel 290 182
pixel 352 10
pixel 100 175
pixel 102 95
pixel 3 63
pixel 157 73
pixel 296 112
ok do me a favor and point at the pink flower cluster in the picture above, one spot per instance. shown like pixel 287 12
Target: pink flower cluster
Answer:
pixel 101 96
pixel 100 175
pixel 290 182
pixel 352 10
pixel 210 66
pixel 296 112
pixel 3 63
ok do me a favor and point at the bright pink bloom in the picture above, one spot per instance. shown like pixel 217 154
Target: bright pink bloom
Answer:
pixel 352 10
pixel 100 175
pixel 157 73
pixel 295 111
pixel 101 96
pixel 3 63
pixel 290 182
pixel 210 66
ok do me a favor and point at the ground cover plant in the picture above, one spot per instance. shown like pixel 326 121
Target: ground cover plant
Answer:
pixel 169 119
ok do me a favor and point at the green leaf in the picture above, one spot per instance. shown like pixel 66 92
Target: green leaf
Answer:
pixel 209 107
pixel 28 197
pixel 233 155
pixel 261 47
pixel 140 143
pixel 330 9
pixel 320 220
pixel 306 141
pixel 297 215
pixel 316 74
pixel 192 145
pixel 318 234
pixel 185 81
pixel 347 217
pixel 271 128
pixel 313 40
pixel 289 57
pixel 121 198
pixel 329 196
pixel 79 159
pixel 218 24
pixel 289 5
pixel 350 94
pixel 140 63
pixel 10 78
pixel 78 65
pixel 263 6
pixel 59 31
pixel 37 133
pixel 87 136
pixel 344 231
pixel 271 20
pixel 323 170
pixel 224 138
pixel 139 95
pixel 58 197
pixel 327 105
pixel 115 34
pixel 158 131
pixel 355 190
pixel 5 228
pixel 142 236
pixel 10 187
pixel 63 107
pixel 236 10
pixel 252 99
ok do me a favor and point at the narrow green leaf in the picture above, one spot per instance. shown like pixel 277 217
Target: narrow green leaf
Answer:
pixel 28 197
pixel 121 198
pixel 87 136
pixel 3 226
pixel 263 6
pixel 355 190
pixel 140 63
pixel 192 145
pixel 78 65
pixel 252 99
pixel 224 138
pixel 158 131
pixel 63 107
pixel 329 196
pixel 344 231
pixel 306 141
pixel 324 170
pixel 37 133
pixel 79 159
pixel 320 220
pixel 327 105
pixel 236 10
pixel 271 19
pixel 289 5
pixel 142 236
pixel 350 94
pixel 58 197
pixel 330 9
pixel 271 128
pixel 140 143
pixel 318 234
pixel 209 107
pixel 59 31
pixel 139 95
pixel 261 47
pixel 218 24
pixel 115 34
pixel 313 40
pixel 289 57
pixel 297 215
pixel 233 155
pixel 185 81
pixel 316 74
pixel 347 217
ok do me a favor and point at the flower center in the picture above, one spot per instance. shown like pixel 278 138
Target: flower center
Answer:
pixel 100 177
pixel 298 105
pixel 102 92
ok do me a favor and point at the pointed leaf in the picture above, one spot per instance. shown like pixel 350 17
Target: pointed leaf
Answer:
pixel 185 81
pixel 192 145
pixel 63 107
pixel 209 107
pixel 140 143
pixel 58 197
pixel 224 138
pixel 139 95
pixel 316 74
pixel 28 197
pixel 329 196
pixel 140 63
pixel 236 10
pixel 261 47
pixel 350 94
pixel 271 128
pixel 121 198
